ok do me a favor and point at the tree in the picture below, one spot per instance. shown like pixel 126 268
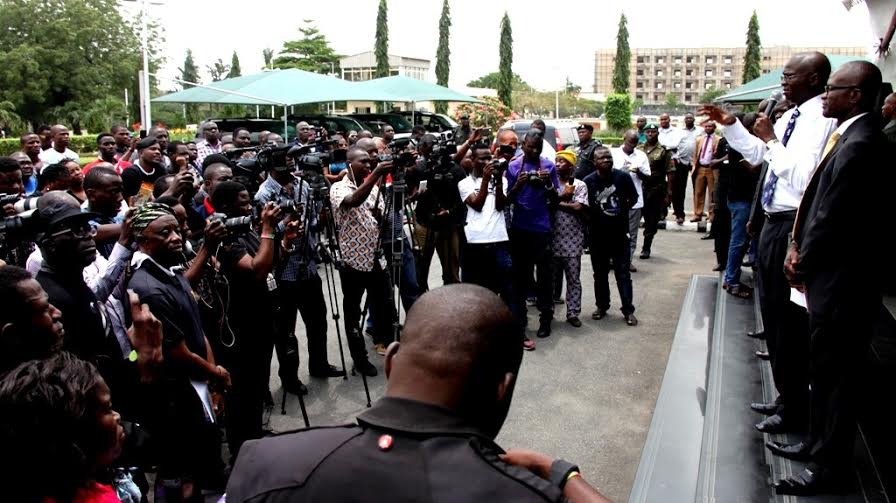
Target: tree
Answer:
pixel 268 55
pixel 189 72
pixel 46 71
pixel 672 101
pixel 491 81
pixel 752 68
pixel 505 67
pixel 619 112
pixel 218 70
pixel 234 66
pixel 571 88
pixel 490 113
pixel 622 59
pixel 381 46
pixel 311 53
pixel 443 54
pixel 711 94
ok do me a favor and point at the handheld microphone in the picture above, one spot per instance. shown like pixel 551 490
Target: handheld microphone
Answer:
pixel 773 100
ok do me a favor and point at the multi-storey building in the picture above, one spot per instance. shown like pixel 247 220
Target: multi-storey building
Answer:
pixel 362 66
pixel 689 73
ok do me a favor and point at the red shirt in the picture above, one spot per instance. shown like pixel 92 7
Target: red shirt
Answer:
pixel 94 493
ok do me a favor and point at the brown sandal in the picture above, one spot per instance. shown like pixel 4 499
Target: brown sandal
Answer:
pixel 741 292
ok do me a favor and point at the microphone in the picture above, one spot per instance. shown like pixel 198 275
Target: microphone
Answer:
pixel 773 100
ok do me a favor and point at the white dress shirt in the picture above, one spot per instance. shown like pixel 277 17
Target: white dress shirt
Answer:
pixel 792 164
pixel 638 160
pixel 52 156
pixel 686 144
pixel 669 137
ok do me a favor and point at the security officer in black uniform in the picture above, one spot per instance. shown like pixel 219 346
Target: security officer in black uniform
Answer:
pixel 431 438
pixel 585 151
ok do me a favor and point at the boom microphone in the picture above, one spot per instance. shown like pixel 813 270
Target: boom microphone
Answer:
pixel 773 100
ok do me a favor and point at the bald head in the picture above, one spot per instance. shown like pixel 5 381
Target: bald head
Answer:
pixel 460 349
pixel 805 76
pixel 851 90
pixel 367 144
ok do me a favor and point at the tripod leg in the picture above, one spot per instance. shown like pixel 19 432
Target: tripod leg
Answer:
pixel 304 412
pixel 334 309
pixel 283 403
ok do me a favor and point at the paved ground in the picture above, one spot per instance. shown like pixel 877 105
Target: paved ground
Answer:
pixel 585 394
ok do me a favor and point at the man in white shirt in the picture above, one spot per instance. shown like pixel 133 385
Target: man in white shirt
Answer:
pixel 486 257
pixel 687 138
pixel 792 148
pixel 634 162
pixel 60 149
pixel 669 136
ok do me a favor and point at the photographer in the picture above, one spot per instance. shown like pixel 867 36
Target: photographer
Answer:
pixel 14 249
pixel 486 253
pixel 356 204
pixel 247 333
pixel 299 288
pixel 440 211
pixel 216 168
pixel 338 167
pixel 533 186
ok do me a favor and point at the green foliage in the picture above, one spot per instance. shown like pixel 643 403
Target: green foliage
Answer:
pixel 490 113
pixel 672 101
pixel 752 68
pixel 381 46
pixel 711 94
pixel 235 70
pixel 622 59
pixel 83 144
pixel 533 102
pixel 505 67
pixel 189 72
pixel 9 116
pixel 57 56
pixel 268 55
pixel 311 53
pixel 571 88
pixel 443 53
pixel 491 80
pixel 218 70
pixel 619 112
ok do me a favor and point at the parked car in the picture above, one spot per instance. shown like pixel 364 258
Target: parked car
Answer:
pixel 434 123
pixel 255 126
pixel 332 123
pixel 560 133
pixel 376 122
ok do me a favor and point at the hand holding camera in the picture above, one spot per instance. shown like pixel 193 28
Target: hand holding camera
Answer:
pixel 270 215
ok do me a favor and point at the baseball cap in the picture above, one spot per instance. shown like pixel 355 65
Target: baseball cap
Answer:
pixel 53 212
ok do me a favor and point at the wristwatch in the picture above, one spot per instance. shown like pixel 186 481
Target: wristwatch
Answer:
pixel 560 470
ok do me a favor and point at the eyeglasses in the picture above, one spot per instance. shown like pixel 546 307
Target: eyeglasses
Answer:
pixel 828 89
pixel 85 231
pixel 789 76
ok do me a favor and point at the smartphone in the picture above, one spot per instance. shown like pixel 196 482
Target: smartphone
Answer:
pixel 142 134
pixel 485 132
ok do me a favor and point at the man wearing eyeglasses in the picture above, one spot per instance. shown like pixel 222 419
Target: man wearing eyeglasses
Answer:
pixel 792 148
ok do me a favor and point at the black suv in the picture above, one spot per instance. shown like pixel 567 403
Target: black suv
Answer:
pixel 434 123
pixel 376 122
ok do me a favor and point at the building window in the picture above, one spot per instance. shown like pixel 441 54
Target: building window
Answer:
pixel 726 73
pixel 677 85
pixel 727 85
pixel 657 97
pixel 727 60
pixel 708 73
pixel 689 73
pixel 639 85
pixel 689 85
pixel 677 60
pixel 660 60
pixel 708 85
pixel 692 59
pixel 639 97
pixel 764 71
pixel 688 98
pixel 640 72
pixel 640 59
pixel 659 73
pixel 659 85
pixel 677 73
pixel 766 58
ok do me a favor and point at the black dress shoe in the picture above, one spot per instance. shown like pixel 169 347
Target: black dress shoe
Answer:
pixel 797 452
pixel 718 267
pixel 763 355
pixel 295 387
pixel 325 372
pixel 768 409
pixel 630 320
pixel 544 329
pixel 773 424
pixel 809 482
pixel 707 236
pixel 756 335
pixel 365 367
pixel 598 314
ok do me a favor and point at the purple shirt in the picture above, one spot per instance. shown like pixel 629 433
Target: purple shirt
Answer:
pixel 530 209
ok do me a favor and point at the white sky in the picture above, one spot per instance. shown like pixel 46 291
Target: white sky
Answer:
pixel 551 39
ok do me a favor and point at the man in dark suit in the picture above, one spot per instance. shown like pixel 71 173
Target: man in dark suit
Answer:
pixel 842 298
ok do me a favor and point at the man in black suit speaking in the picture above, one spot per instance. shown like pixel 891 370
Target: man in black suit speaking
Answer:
pixel 837 212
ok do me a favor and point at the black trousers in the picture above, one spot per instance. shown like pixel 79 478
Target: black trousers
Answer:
pixel 528 251
pixel 680 187
pixel 379 302
pixel 616 248
pixel 307 298
pixel 721 221
pixel 838 349
pixel 786 324
pixel 654 203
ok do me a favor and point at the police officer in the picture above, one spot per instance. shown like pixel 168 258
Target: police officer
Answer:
pixel 431 438
pixel 585 151
pixel 657 187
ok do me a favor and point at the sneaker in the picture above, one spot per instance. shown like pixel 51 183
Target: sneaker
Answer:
pixel 630 320
pixel 528 344
pixel 380 349
pixel 574 321
pixel 364 367
pixel 598 314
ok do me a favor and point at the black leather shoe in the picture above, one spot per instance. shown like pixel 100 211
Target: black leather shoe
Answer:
pixel 295 387
pixel 544 329
pixel 365 367
pixel 325 372
pixel 630 320
pixel 763 355
pixel 574 321
pixel 706 236
pixel 598 314
pixel 773 424
pixel 756 335
pixel 769 409
pixel 718 267
pixel 645 254
pixel 797 452
pixel 809 482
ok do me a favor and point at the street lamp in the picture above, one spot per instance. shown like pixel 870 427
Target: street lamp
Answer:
pixel 145 106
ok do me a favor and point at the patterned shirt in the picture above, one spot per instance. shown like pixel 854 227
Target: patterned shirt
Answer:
pixel 358 230
pixel 569 228
pixel 205 149
pixel 270 190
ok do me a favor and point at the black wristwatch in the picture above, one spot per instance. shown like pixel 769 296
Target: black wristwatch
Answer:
pixel 560 470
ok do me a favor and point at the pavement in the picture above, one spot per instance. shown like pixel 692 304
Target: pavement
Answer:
pixel 585 394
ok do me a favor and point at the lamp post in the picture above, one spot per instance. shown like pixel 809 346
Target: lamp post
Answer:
pixel 145 106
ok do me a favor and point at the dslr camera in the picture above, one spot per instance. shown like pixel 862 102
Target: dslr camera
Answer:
pixel 534 181
pixel 234 224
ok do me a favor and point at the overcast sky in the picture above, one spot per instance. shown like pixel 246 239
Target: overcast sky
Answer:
pixel 551 39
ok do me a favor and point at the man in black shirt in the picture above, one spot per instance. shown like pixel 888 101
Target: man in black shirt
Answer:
pixel 140 178
pixel 611 194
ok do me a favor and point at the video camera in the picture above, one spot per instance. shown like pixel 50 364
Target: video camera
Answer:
pixel 23 225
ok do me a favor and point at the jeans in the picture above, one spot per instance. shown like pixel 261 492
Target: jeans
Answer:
pixel 528 251
pixel 376 284
pixel 603 249
pixel 488 265
pixel 740 213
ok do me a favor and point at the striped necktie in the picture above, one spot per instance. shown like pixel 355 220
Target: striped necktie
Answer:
pixel 768 190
